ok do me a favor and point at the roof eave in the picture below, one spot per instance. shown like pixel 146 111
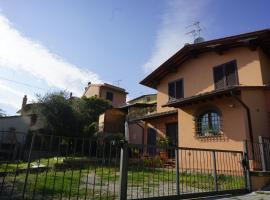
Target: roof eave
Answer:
pixel 210 95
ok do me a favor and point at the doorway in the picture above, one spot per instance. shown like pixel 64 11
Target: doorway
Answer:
pixel 172 135
pixel 151 140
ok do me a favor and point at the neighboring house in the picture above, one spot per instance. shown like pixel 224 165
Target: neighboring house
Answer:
pixel 20 125
pixel 140 106
pixel 112 121
pixel 213 94
pixel 36 120
pixel 14 129
pixel 114 94
pixel 135 109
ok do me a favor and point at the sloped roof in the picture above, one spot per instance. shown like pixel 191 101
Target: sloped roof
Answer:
pixel 155 115
pixel 106 85
pixel 252 40
pixel 236 90
pixel 142 96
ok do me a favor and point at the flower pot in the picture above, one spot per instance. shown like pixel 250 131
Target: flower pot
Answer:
pixel 163 155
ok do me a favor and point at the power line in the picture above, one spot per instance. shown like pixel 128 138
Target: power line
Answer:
pixel 22 83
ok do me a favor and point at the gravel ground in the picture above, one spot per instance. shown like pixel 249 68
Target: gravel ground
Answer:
pixel 137 191
pixel 263 194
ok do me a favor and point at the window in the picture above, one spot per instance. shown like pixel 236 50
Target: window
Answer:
pixel 208 123
pixel 109 96
pixel 225 75
pixel 176 90
pixel 33 119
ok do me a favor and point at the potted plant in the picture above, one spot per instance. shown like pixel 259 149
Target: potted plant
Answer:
pixel 163 142
pixel 209 132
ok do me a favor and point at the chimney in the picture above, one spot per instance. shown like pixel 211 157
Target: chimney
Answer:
pixel 24 102
pixel 70 95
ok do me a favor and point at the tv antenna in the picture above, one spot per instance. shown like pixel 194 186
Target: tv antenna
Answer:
pixel 196 31
pixel 118 82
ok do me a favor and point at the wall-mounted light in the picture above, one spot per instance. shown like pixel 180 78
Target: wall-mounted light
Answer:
pixel 232 105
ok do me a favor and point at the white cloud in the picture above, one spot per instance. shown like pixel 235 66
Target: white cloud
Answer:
pixel 172 33
pixel 11 97
pixel 18 52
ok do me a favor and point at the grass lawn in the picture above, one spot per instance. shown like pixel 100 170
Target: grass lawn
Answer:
pixel 72 182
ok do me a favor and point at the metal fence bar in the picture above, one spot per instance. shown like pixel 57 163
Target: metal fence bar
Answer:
pixel 214 170
pixel 28 165
pixel 245 163
pixel 123 172
pixel 177 172
pixel 262 153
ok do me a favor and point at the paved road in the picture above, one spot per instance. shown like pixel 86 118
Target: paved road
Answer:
pixel 260 195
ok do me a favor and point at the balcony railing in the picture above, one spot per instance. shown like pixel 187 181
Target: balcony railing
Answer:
pixel 142 112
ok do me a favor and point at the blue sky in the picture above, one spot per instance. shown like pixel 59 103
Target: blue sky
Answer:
pixel 51 45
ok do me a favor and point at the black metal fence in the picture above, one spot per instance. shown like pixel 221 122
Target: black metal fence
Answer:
pixel 259 154
pixel 185 172
pixel 52 167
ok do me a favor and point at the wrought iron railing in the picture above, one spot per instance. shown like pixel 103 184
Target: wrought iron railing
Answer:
pixel 57 167
pixel 178 171
pixel 259 154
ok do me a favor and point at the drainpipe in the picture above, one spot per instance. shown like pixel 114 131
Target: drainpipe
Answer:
pixel 248 118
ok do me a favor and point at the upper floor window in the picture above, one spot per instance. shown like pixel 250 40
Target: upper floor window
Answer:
pixel 109 96
pixel 225 75
pixel 176 89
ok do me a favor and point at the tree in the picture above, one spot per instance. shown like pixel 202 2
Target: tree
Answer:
pixel 70 116
pixel 92 107
pixel 57 112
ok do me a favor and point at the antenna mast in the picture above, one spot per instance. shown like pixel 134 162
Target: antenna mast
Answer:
pixel 118 82
pixel 196 31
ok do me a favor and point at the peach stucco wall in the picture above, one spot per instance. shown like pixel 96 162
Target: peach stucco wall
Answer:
pixel 256 100
pixel 119 98
pixel 234 124
pixel 93 90
pixel 198 73
pixel 233 127
pixel 265 67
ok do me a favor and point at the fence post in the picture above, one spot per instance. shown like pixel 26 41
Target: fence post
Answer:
pixel 177 171
pixel 245 163
pixel 214 168
pixel 28 164
pixel 262 153
pixel 123 172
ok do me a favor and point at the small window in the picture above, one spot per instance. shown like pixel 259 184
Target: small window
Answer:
pixel 148 99
pixel 109 96
pixel 225 75
pixel 33 119
pixel 208 123
pixel 176 90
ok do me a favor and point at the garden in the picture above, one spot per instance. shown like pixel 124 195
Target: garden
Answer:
pixel 84 178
